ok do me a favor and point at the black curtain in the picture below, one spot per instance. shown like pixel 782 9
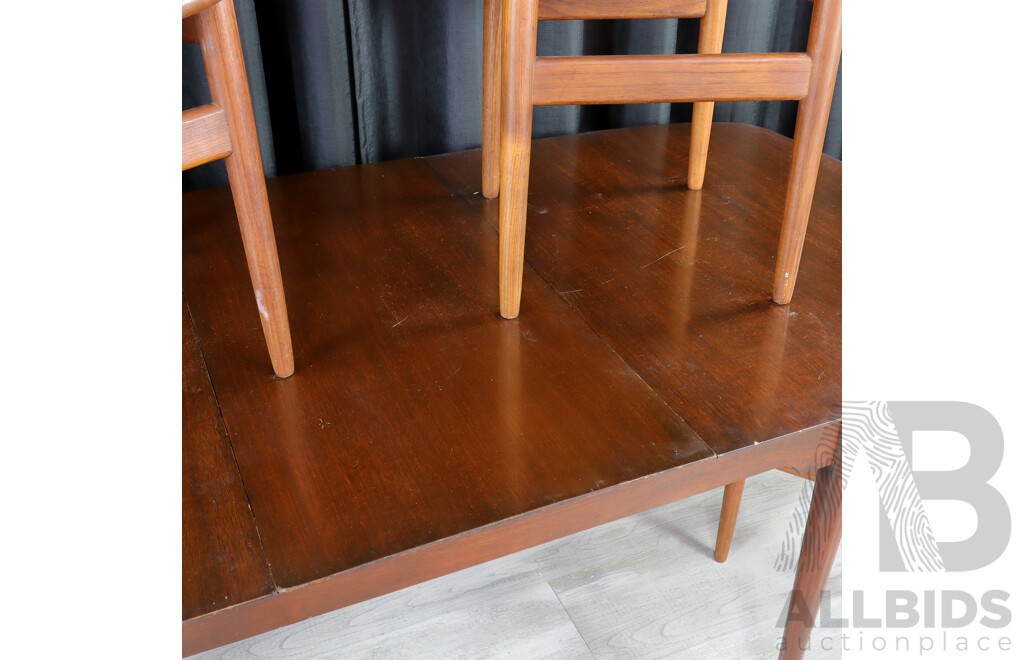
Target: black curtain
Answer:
pixel 341 82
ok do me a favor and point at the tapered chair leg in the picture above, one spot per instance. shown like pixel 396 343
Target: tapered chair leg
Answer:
pixel 492 98
pixel 225 70
pixel 824 46
pixel 821 542
pixel 727 521
pixel 712 31
pixel 519 49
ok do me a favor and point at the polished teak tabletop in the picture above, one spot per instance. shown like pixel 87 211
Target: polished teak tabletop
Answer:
pixel 421 433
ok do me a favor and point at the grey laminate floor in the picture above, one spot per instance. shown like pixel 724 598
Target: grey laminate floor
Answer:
pixel 643 587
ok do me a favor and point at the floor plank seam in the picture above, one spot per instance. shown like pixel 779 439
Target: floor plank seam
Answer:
pixel 571 620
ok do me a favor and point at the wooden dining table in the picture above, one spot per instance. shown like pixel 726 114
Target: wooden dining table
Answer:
pixel 421 433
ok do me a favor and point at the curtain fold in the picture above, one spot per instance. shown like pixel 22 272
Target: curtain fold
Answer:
pixel 341 82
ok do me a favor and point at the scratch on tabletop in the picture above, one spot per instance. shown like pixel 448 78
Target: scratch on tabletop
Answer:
pixel 663 256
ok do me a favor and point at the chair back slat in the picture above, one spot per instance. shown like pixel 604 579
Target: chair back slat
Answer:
pixel 561 10
pixel 604 79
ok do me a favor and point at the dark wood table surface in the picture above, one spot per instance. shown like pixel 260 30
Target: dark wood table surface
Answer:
pixel 421 433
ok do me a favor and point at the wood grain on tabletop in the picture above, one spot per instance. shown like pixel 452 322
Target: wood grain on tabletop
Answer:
pixel 679 282
pixel 415 412
pixel 419 423
pixel 222 562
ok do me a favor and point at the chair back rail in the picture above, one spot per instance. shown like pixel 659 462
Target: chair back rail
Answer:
pixel 600 79
pixel 561 10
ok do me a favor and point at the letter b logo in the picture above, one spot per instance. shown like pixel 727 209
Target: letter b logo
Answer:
pixel 967 484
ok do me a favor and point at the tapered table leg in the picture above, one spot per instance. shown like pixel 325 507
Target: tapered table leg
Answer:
pixel 727 521
pixel 821 541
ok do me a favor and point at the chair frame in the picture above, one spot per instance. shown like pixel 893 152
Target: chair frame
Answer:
pixel 226 129
pixel 515 80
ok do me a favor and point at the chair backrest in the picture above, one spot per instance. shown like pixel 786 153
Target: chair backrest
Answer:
pixel 703 78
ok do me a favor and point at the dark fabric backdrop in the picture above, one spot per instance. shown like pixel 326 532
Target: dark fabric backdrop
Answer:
pixel 340 82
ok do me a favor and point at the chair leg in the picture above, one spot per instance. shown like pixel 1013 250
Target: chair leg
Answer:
pixel 492 98
pixel 225 70
pixel 824 46
pixel 712 30
pixel 821 542
pixel 727 522
pixel 519 49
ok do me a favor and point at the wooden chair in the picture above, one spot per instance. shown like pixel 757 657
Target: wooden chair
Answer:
pixel 515 80
pixel 226 129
